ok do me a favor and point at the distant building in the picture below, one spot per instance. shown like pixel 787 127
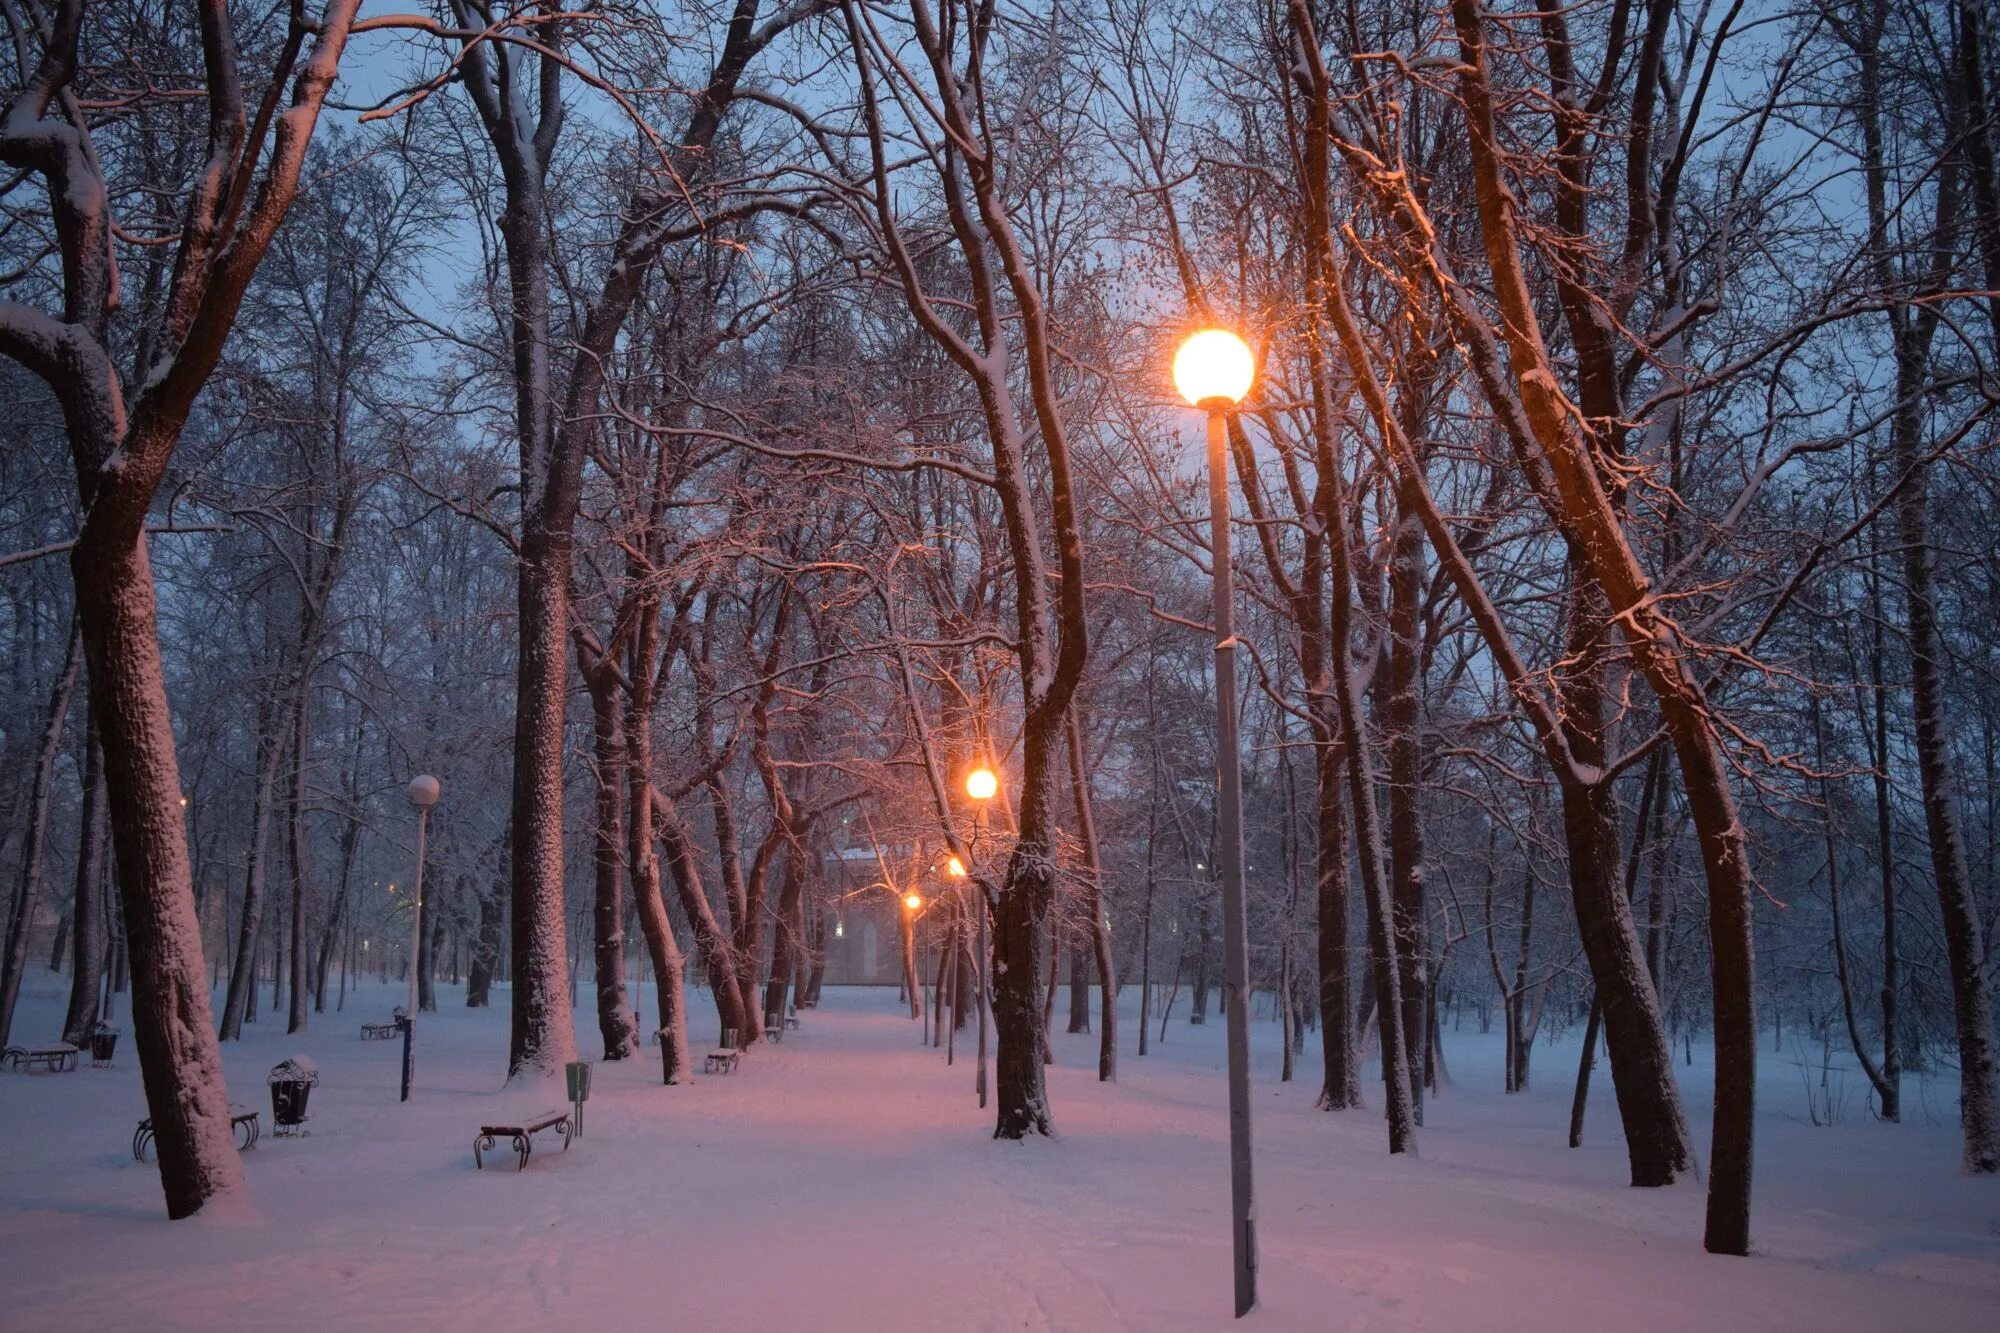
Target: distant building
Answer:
pixel 863 946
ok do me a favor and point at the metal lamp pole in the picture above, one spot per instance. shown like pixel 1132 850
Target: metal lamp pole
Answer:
pixel 423 794
pixel 982 785
pixel 1213 371
pixel 985 998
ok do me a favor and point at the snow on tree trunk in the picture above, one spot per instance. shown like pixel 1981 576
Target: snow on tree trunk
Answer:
pixel 1401 712
pixel 1021 946
pixel 614 1012
pixel 171 1026
pixel 542 1039
pixel 1658 1145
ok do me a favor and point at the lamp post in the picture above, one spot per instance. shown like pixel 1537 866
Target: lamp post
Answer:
pixel 982 785
pixel 1213 370
pixel 423 792
pixel 913 903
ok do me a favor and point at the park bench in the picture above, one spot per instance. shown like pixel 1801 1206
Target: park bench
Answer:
pixel 243 1122
pixel 774 1027
pixel 57 1059
pixel 791 1020
pixel 523 1136
pixel 384 1031
pixel 724 1061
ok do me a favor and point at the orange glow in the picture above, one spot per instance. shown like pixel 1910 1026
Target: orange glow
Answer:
pixel 955 868
pixel 981 784
pixel 1214 367
pixel 913 901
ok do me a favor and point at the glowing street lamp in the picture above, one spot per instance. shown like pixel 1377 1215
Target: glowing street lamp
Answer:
pixel 955 868
pixel 982 785
pixel 913 901
pixel 1213 370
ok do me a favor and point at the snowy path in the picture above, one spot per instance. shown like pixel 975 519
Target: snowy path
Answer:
pixel 845 1180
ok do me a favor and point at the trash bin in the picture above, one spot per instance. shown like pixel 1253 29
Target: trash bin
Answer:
pixel 577 1072
pixel 291 1083
pixel 103 1043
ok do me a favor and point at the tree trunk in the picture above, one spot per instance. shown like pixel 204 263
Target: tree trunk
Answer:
pixel 1100 929
pixel 28 890
pixel 179 1061
pixel 335 935
pixel 91 908
pixel 1584 1062
pixel 614 1010
pixel 787 940
pixel 59 946
pixel 713 951
pixel 1965 948
pixel 643 863
pixel 240 1004
pixel 1342 1088
pixel 1658 1145
pixel 1021 941
pixel 541 1038
pixel 486 943
pixel 1401 707
pixel 295 843
pixel 1885 852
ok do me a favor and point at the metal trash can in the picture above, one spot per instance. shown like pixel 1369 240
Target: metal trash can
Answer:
pixel 103 1044
pixel 577 1073
pixel 291 1083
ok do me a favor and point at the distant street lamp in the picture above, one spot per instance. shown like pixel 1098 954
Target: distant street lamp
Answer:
pixel 1213 371
pixel 913 901
pixel 423 791
pixel 981 784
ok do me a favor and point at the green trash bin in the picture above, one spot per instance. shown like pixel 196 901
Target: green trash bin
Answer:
pixel 577 1072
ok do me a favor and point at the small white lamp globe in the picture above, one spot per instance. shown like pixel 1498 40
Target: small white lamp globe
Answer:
pixel 423 791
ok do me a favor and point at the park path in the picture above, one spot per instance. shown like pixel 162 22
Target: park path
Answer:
pixel 846 1179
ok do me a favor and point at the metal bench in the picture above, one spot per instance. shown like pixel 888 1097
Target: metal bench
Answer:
pixel 723 1061
pixel 243 1123
pixel 57 1059
pixel 385 1031
pixel 523 1136
pixel 774 1027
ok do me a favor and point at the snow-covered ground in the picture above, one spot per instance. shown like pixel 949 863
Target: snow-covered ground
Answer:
pixel 847 1180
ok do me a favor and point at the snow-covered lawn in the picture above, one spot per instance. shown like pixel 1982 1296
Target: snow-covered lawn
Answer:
pixel 846 1180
